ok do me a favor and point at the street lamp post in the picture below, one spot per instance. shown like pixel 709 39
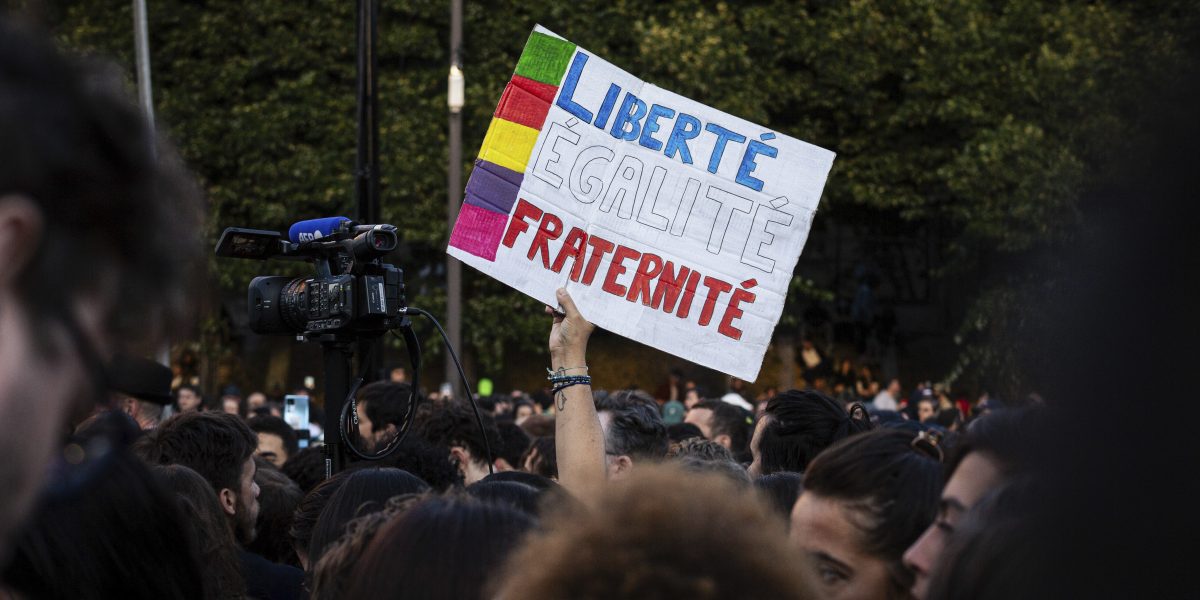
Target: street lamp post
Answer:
pixel 454 190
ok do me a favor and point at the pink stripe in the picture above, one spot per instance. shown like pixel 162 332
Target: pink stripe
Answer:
pixel 478 231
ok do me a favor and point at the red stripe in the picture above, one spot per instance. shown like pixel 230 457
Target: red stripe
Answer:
pixel 525 102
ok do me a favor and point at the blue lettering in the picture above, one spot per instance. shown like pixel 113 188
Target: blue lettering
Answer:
pixel 568 89
pixel 631 112
pixel 610 99
pixel 656 113
pixel 744 171
pixel 723 135
pixel 686 127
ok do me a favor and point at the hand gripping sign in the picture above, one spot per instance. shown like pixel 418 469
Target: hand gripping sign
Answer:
pixel 669 222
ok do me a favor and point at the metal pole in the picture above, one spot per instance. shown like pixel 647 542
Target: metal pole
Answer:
pixel 454 191
pixel 367 159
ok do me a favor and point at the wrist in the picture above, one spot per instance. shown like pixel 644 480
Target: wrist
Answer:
pixel 568 358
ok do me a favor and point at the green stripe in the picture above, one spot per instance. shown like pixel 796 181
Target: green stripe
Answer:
pixel 545 58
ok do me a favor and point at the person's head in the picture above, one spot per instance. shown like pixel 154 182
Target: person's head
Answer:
pixel 724 424
pixel 233 404
pixel 364 491
pixel 865 500
pixel 796 426
pixel 277 501
pixel 541 484
pixel 441 547
pixel 542 458
pixel 140 387
pixel 512 494
pixel 633 430
pixel 663 533
pixel 999 547
pixel 523 410
pixel 454 426
pixel 893 388
pixel 993 449
pixel 306 468
pixel 422 459
pixel 926 409
pixel 691 398
pixel 514 442
pixel 682 431
pixel 304 518
pixel 210 534
pixel 220 447
pixel 277 441
pixel 188 398
pixel 96 239
pixel 382 408
pixel 255 401
pixel 332 574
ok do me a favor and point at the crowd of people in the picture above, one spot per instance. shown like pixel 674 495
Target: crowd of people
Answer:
pixel 821 492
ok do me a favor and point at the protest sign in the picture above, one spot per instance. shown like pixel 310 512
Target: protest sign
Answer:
pixel 669 222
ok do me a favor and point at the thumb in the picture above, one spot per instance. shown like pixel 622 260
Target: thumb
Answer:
pixel 568 305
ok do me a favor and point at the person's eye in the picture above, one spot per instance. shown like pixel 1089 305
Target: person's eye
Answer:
pixel 830 575
pixel 944 526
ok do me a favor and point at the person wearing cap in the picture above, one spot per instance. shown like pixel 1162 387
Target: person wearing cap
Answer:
pixel 140 388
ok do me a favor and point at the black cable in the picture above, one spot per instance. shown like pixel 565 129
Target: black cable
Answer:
pixel 414 398
pixel 466 384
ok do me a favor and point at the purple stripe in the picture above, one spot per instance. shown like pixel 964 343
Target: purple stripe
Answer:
pixel 493 187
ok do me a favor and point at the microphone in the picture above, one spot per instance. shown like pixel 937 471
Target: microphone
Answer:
pixel 315 229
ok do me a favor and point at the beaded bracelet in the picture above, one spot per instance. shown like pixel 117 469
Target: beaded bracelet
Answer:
pixel 563 382
pixel 562 371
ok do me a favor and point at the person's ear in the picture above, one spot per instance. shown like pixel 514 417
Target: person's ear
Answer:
pixel 501 464
pixel 228 500
pixel 20 231
pixel 462 457
pixel 621 466
pixel 724 440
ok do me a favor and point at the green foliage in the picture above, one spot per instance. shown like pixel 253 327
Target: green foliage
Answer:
pixel 989 118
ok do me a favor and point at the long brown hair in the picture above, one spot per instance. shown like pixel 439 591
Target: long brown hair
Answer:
pixel 210 532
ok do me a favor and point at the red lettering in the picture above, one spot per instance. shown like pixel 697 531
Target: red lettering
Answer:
pixel 740 295
pixel 616 269
pixel 517 225
pixel 600 247
pixel 647 270
pixel 689 292
pixel 716 287
pixel 550 229
pixel 669 286
pixel 572 248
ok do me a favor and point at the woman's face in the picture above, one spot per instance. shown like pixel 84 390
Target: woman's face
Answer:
pixel 824 530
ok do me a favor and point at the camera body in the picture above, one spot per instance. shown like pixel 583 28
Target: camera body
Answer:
pixel 352 292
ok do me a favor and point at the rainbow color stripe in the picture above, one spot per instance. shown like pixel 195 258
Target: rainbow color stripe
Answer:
pixel 500 169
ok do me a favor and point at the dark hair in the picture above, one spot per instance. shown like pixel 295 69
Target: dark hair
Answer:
pixel 733 421
pixel 781 489
pixel 636 429
pixel 682 431
pixel 279 427
pixel 800 424
pixel 531 479
pixel 211 536
pixel 306 468
pixel 545 463
pixel 507 493
pixel 387 403
pixel 513 443
pixel 1008 436
pixel 332 574
pixel 724 467
pixel 106 530
pixel 118 213
pixel 364 491
pixel 894 485
pixel 215 445
pixel 441 548
pixel 277 501
pixel 304 519
pixel 454 424
pixel 422 459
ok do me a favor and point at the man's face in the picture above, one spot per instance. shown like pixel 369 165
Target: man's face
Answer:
pixel 256 400
pixel 925 410
pixel 825 531
pixel 271 447
pixel 894 388
pixel 691 398
pixel 524 411
pixel 247 505
pixel 188 400
pixel 701 418
pixel 365 427
pixel 231 405
pixel 975 476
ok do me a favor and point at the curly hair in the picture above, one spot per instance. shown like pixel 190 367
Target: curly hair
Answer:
pixel 331 574
pixel 662 534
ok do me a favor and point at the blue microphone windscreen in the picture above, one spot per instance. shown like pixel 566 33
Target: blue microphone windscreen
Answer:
pixel 307 231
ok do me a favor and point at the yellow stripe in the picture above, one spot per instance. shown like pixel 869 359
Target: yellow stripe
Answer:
pixel 508 144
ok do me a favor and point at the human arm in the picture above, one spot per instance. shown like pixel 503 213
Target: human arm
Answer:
pixel 579 439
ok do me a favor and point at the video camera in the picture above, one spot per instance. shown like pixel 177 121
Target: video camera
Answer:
pixel 354 291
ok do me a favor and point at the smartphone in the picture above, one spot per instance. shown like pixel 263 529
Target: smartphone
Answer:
pixel 295 414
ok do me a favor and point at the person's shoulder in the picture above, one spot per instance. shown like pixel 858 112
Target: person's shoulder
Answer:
pixel 268 580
